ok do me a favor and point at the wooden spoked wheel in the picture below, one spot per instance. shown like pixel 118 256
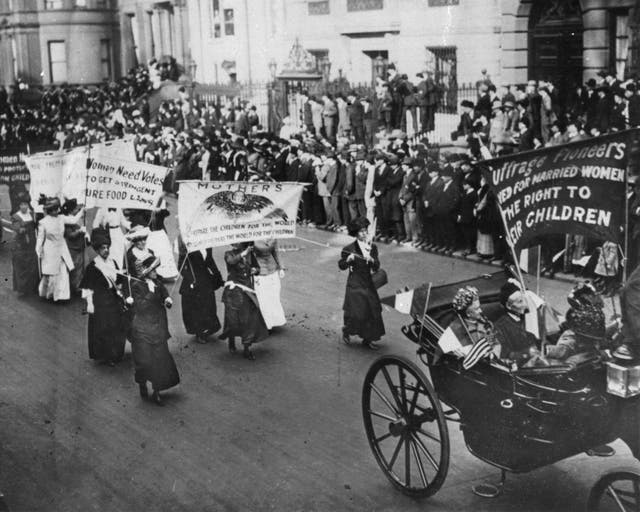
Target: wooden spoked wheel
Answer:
pixel 406 427
pixel 617 490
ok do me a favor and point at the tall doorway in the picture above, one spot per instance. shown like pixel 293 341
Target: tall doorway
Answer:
pixel 555 43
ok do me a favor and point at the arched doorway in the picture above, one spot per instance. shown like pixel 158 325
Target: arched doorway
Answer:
pixel 555 42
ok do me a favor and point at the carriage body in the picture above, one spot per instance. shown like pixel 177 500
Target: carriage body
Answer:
pixel 525 419
pixel 517 420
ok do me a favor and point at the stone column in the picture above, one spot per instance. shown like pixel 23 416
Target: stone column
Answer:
pixel 156 34
pixel 633 62
pixel 178 37
pixel 127 49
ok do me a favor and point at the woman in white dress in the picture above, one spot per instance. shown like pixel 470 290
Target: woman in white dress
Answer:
pixel 159 244
pixel 267 283
pixel 53 253
pixel 114 220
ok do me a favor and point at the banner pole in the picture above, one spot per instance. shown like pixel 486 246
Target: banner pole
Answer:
pixel 625 256
pixel 512 247
pixel 538 270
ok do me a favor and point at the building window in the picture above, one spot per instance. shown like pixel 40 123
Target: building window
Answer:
pixel 228 22
pixel 57 61
pixel 318 8
pixel 105 58
pixel 217 32
pixel 319 56
pixel 53 4
pixel 364 5
pixel 81 3
pixel 619 44
pixel 442 3
pixel 216 8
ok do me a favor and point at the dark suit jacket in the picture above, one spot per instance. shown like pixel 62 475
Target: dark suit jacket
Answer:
pixel 447 201
pixel 431 194
pixel 356 113
pixel 634 111
pixel 467 204
pixel 630 302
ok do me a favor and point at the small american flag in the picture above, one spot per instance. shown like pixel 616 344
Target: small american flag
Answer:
pixel 479 350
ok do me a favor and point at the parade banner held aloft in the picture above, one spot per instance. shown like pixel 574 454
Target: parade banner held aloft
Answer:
pixel 576 188
pixel 14 173
pixel 116 183
pixel 217 213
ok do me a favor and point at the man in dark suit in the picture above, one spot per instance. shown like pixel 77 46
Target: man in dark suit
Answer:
pixel 431 189
pixel 356 117
pixel 394 82
pixel 633 101
pixel 390 202
pixel 603 110
pixel 427 101
pixel 483 105
pixel 466 218
pixel 445 208
pixel 380 176
pixel 630 304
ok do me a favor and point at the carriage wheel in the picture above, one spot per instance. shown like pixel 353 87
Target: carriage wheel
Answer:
pixel 406 427
pixel 617 490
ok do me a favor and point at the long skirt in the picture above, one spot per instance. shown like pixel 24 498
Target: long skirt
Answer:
pixel 363 314
pixel 484 246
pixel 158 243
pixel 199 312
pixel 268 293
pixel 56 286
pixel 25 271
pixel 154 363
pixel 107 333
pixel 75 276
pixel 242 317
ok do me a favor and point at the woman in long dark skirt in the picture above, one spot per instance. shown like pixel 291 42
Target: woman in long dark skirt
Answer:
pixel 362 308
pixel 101 288
pixel 149 332
pixel 242 315
pixel 24 258
pixel 200 280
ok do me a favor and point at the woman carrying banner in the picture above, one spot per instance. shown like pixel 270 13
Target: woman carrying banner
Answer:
pixel 149 332
pixel 75 234
pixel 362 308
pixel 114 220
pixel 52 250
pixel 267 283
pixel 200 280
pixel 105 304
pixel 25 261
pixel 138 251
pixel 242 315
pixel 158 243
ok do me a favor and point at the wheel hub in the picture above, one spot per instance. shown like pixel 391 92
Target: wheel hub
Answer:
pixel 398 427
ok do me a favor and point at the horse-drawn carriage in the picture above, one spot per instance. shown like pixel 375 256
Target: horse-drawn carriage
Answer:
pixel 515 419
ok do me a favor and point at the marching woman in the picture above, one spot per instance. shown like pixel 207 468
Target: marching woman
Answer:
pixel 25 261
pixel 158 243
pixel 242 315
pixel 200 280
pixel 74 234
pixel 362 308
pixel 100 287
pixel 138 252
pixel 267 283
pixel 114 220
pixel 51 248
pixel 149 332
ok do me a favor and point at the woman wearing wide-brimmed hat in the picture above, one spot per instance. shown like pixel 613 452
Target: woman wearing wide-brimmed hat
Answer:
pixel 24 258
pixel 149 332
pixel 51 248
pixel 101 288
pixel 138 251
pixel 362 308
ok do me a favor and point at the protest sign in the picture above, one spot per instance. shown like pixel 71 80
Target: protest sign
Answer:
pixel 14 173
pixel 576 188
pixel 216 213
pixel 117 183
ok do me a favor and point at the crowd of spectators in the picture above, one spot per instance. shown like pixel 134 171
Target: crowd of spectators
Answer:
pixel 354 150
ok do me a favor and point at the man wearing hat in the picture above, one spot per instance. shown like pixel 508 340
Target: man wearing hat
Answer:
pixel 603 109
pixel 431 188
pixel 390 203
pixel 428 96
pixel 380 176
pixel 356 117
pixel 445 208
pixel 465 126
pixel 410 197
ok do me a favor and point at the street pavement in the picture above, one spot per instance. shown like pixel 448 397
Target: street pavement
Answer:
pixel 282 433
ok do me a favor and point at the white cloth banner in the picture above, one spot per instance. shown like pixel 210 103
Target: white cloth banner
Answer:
pixel 117 183
pixel 64 173
pixel 217 213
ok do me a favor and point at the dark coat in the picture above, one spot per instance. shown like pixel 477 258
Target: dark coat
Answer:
pixel 514 339
pixel 148 336
pixel 467 204
pixel 200 279
pixel 356 113
pixel 447 201
pixel 362 308
pixel 603 114
pixel 107 326
pixel 292 169
pixel 390 199
pixel 431 194
pixel 361 174
pixel 634 111
pixel 410 189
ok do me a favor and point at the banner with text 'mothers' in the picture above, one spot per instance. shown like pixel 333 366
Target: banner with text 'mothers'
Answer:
pixel 576 188
pixel 217 213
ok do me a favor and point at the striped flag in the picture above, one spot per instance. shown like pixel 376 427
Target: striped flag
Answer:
pixel 479 350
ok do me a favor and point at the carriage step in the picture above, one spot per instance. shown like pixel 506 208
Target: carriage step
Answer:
pixel 601 451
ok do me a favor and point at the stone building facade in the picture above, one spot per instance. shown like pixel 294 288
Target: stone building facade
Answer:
pixel 56 41
pixel 152 29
